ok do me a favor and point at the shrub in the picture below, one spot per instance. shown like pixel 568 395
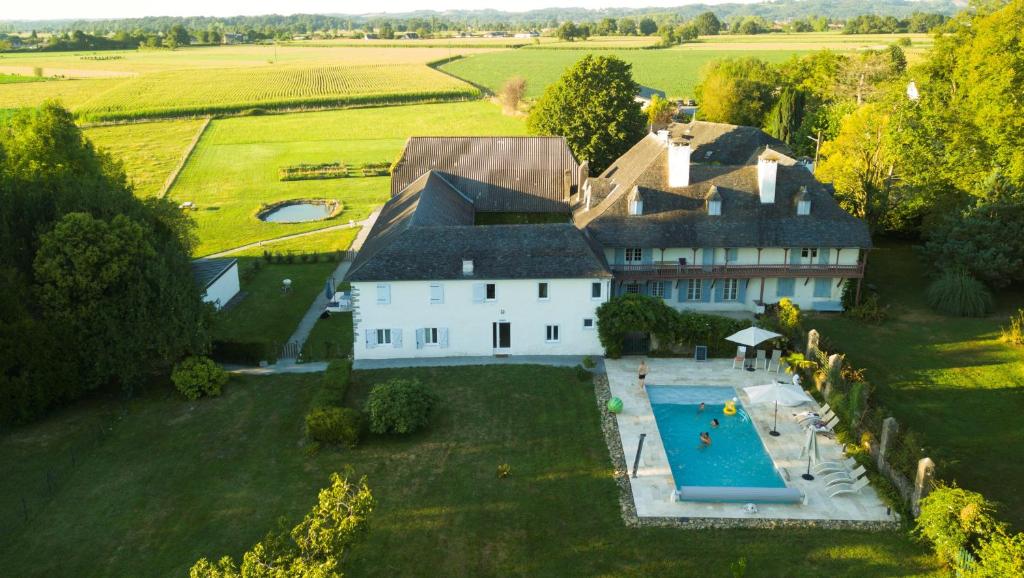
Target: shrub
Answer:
pixel 504 471
pixel 278 257
pixel 1001 555
pixel 197 376
pixel 335 425
pixel 628 313
pixel 289 258
pixel 589 362
pixel 241 352
pixel 399 406
pixel 953 519
pixel 1014 334
pixel 267 256
pixel 335 383
pixel 870 310
pixel 956 292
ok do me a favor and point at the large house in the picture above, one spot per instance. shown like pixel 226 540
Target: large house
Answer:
pixel 506 245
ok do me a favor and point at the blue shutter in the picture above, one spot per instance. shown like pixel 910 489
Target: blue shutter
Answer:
pixel 620 256
pixel 647 256
pixel 708 255
pixel 794 255
pixel 785 287
pixel 732 255
pixel 823 288
pixel 705 291
pixel 668 290
pixel 741 292
pixel 683 287
pixel 719 290
pixel 823 255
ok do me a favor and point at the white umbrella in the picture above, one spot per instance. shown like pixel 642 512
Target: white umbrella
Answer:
pixel 811 451
pixel 783 393
pixel 752 336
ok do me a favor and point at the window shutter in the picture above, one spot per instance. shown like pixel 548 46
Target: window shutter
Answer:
pixel 371 338
pixel 436 293
pixel 682 287
pixel 794 255
pixel 668 290
pixel 383 294
pixel 824 255
pixel 732 255
pixel 396 338
pixel 741 290
pixel 620 256
pixel 720 291
pixel 785 287
pixel 419 339
pixel 647 256
pixel 479 292
pixel 442 337
pixel 822 287
pixel 708 255
pixel 705 291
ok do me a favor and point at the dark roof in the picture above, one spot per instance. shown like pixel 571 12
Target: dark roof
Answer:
pixel 677 217
pixel 648 93
pixel 499 174
pixel 207 271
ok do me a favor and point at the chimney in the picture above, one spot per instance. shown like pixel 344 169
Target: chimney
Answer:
pixel 678 164
pixel 467 267
pixel 767 171
pixel 663 135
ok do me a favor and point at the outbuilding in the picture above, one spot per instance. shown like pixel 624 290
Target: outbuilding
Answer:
pixel 218 278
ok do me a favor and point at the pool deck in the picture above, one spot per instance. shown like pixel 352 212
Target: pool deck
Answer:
pixel 653 486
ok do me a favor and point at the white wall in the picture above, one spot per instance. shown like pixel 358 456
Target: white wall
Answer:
pixel 469 323
pixel 224 288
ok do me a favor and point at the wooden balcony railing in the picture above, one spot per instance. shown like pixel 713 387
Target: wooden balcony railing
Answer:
pixel 673 270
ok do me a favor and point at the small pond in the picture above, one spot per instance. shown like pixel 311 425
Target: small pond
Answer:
pixel 297 212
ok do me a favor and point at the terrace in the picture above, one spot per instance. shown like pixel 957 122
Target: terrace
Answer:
pixel 677 270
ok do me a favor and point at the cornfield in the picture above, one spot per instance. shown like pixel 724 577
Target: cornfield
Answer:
pixel 206 91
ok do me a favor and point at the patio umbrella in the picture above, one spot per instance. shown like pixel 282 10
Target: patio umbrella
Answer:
pixel 779 392
pixel 752 336
pixel 811 451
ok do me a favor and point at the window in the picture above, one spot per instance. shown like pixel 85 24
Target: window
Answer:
pixel 803 208
pixel 383 294
pixel 658 289
pixel 634 254
pixel 693 289
pixel 595 290
pixel 730 289
pixel 588 323
pixel 542 291
pixel 436 293
pixel 491 292
pixel 430 336
pixel 809 252
pixel 551 335
pixel 633 288
pixel 383 337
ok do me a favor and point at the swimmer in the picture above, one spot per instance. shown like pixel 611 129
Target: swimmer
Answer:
pixel 714 422
pixel 700 408
pixel 705 439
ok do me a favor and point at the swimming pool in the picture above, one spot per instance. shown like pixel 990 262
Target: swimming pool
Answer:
pixel 736 457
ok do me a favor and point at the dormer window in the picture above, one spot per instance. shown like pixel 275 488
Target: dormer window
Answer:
pixel 636 202
pixel 714 202
pixel 803 202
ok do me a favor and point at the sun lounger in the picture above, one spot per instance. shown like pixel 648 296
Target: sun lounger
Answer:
pixel 741 356
pixel 825 427
pixel 812 419
pixel 825 468
pixel 825 408
pixel 762 359
pixel 854 488
pixel 848 477
pixel 776 360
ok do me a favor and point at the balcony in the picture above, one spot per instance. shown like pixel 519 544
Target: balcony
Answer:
pixel 673 270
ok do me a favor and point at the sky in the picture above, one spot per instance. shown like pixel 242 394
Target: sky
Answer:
pixel 64 9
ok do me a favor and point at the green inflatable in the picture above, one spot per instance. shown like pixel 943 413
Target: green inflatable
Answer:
pixel 615 405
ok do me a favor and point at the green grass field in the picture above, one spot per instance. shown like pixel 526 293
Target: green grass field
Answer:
pixel 18 78
pixel 149 151
pixel 234 169
pixel 177 480
pixel 323 242
pixel 949 379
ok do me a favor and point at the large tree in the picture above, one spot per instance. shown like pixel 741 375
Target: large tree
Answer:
pixel 737 91
pixel 95 285
pixel 707 24
pixel 593 106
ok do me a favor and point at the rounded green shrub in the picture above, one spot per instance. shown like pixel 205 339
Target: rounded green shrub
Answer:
pixel 399 406
pixel 335 425
pixel 956 292
pixel 197 376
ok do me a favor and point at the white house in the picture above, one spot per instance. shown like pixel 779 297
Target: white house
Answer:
pixel 706 216
pixel 218 278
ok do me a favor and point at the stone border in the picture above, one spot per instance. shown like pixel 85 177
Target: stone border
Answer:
pixel 335 205
pixel 620 469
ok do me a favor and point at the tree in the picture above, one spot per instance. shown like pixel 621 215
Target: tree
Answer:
pixel 786 116
pixel 567 31
pixel 314 548
pixel 606 27
pixel 707 24
pixel 659 111
pixel 592 105
pixel 752 25
pixel 627 27
pixel 177 36
pixel 737 91
pixel 648 26
pixel 953 519
pixel 512 93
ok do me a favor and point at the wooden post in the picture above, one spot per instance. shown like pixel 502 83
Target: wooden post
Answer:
pixel 889 429
pixel 922 484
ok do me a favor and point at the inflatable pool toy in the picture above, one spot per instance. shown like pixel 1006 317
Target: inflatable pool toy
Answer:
pixel 615 405
pixel 730 408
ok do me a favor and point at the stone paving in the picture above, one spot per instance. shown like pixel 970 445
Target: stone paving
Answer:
pixel 652 489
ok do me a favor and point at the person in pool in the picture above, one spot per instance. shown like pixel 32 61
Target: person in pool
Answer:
pixel 705 439
pixel 714 422
pixel 700 408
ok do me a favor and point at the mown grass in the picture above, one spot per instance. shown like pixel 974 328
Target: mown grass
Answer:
pixel 177 480
pixel 949 379
pixel 325 242
pixel 19 78
pixel 234 168
pixel 149 151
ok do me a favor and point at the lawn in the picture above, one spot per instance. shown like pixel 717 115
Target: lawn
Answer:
pixel 234 168
pixel 949 379
pixel 178 480
pixel 149 151
pixel 324 242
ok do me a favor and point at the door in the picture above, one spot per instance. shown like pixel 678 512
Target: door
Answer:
pixel 501 334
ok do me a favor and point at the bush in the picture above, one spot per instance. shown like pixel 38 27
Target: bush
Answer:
pixel 335 384
pixel 582 373
pixel 870 310
pixel 956 292
pixel 241 352
pixel 267 256
pixel 589 362
pixel 335 425
pixel 953 519
pixel 628 313
pixel 1001 555
pixel 197 376
pixel 1014 334
pixel 399 406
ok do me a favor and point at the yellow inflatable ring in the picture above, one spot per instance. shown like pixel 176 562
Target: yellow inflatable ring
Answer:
pixel 730 408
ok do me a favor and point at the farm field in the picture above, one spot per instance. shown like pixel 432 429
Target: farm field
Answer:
pixel 149 151
pixel 213 476
pixel 70 93
pixel 234 169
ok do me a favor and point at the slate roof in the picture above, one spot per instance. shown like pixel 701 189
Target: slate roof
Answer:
pixel 499 174
pixel 677 217
pixel 205 272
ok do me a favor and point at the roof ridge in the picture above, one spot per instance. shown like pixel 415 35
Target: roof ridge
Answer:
pixel 618 190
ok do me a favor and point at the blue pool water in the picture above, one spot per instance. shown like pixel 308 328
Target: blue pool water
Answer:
pixel 736 457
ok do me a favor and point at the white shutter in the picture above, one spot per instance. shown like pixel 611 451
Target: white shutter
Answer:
pixel 436 293
pixel 396 338
pixel 371 338
pixel 419 339
pixel 479 292
pixel 442 337
pixel 383 294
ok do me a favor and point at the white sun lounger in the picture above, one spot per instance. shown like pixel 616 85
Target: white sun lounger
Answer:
pixel 762 359
pixel 825 408
pixel 810 419
pixel 825 468
pixel 853 488
pixel 741 356
pixel 845 477
pixel 775 360
pixel 825 429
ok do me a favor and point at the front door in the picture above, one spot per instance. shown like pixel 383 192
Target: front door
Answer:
pixel 501 333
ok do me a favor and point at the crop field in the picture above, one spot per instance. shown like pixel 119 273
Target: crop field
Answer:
pixel 234 169
pixel 71 93
pixel 149 151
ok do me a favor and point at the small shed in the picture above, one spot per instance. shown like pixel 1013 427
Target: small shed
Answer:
pixel 647 94
pixel 218 279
